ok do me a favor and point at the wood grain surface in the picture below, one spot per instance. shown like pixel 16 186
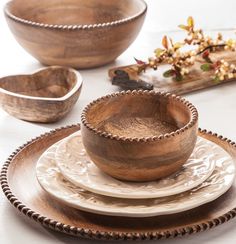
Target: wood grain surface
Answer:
pixel 75 33
pixel 20 186
pixel 127 77
pixel 139 135
pixel 45 96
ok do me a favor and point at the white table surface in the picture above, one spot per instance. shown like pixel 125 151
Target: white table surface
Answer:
pixel 216 106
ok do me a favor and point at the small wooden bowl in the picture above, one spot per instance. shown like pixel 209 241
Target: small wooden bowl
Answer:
pixel 45 96
pixel 139 135
pixel 75 33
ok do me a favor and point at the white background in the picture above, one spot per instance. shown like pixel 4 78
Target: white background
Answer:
pixel 216 106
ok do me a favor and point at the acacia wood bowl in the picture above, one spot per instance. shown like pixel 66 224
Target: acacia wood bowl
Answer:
pixel 45 96
pixel 75 33
pixel 139 135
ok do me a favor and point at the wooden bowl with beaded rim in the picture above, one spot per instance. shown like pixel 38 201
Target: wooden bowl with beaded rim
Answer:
pixel 139 135
pixel 75 33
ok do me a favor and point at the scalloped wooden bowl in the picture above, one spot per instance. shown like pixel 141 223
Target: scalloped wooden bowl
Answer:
pixel 139 135
pixel 45 96
pixel 75 33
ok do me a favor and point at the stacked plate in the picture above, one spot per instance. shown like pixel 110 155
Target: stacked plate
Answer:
pixel 66 173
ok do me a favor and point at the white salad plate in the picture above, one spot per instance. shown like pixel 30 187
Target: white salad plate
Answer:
pixel 76 166
pixel 53 182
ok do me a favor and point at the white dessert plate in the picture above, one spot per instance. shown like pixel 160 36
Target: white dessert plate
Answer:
pixel 76 166
pixel 53 182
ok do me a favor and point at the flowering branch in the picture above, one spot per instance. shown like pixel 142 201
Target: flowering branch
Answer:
pixel 180 61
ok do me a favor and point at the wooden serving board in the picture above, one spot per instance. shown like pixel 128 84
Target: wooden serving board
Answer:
pixel 196 80
pixel 22 189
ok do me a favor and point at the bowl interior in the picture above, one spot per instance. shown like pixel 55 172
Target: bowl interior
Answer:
pixel 138 116
pixel 49 83
pixel 75 12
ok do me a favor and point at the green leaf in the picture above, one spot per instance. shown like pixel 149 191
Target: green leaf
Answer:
pixel 190 21
pixel 159 52
pixel 183 27
pixel 216 79
pixel 169 73
pixel 178 45
pixel 179 77
pixel 206 67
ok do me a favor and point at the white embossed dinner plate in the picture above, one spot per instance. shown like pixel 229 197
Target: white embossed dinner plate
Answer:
pixel 76 166
pixel 53 182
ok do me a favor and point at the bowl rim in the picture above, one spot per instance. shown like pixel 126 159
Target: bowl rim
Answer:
pixel 77 86
pixel 75 27
pixel 193 119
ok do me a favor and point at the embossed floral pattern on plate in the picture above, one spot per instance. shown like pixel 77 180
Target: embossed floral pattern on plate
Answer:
pixel 76 167
pixel 56 185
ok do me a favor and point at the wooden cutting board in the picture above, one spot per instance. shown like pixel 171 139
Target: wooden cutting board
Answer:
pixel 127 77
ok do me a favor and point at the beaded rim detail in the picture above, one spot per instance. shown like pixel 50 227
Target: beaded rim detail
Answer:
pixel 103 235
pixel 188 105
pixel 75 27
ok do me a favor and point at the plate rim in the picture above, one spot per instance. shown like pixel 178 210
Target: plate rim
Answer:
pixel 123 195
pixel 108 235
pixel 101 210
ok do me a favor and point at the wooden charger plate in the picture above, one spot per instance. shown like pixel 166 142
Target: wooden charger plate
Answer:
pixel 20 186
